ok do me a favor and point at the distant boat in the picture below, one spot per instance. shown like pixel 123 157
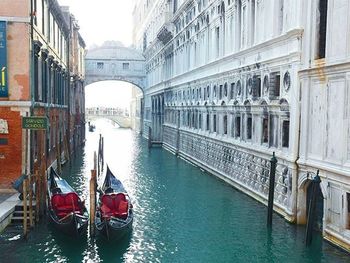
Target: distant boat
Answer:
pixel 114 213
pixel 92 128
pixel 67 211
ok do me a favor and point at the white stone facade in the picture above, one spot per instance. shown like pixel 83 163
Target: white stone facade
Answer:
pixel 230 82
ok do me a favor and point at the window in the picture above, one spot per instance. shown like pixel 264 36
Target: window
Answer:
pixel 220 92
pixel 257 86
pixel 275 85
pixel 285 134
pixel 214 123
pixel 238 127
pixel 232 96
pixel 100 65
pixel 249 128
pixel 200 121
pixel 322 28
pixel 194 121
pixel 225 125
pixel 265 130
pixel 125 66
pixel 207 122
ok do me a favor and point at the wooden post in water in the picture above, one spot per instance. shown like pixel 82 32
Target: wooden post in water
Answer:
pixel 102 153
pixel 273 162
pixel 312 209
pixel 93 183
pixel 25 230
pixel 58 158
pixel 30 192
pixel 149 137
pixel 37 195
pixel 92 202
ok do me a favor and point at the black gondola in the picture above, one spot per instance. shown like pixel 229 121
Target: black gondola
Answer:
pixel 91 127
pixel 67 211
pixel 114 213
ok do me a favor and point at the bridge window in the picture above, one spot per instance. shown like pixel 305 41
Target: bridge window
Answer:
pixel 126 66
pixel 100 65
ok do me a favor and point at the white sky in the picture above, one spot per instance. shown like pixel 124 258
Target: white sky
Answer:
pixel 103 20
pixel 99 21
pixel 108 94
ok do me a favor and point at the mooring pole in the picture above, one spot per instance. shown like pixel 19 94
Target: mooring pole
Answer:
pixel 99 156
pixel 102 153
pixel 149 137
pixel 30 191
pixel 92 201
pixel 312 209
pixel 25 230
pixel 37 196
pixel 273 163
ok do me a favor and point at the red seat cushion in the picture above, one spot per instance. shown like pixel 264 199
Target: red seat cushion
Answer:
pixel 64 204
pixel 123 207
pixel 114 205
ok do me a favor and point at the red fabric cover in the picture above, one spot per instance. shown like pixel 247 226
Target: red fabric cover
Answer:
pixel 64 204
pixel 114 205
pixel 123 207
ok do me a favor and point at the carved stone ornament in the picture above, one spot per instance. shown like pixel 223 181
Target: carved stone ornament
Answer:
pixel 4 129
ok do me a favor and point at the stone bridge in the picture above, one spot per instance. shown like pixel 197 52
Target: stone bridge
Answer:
pixel 112 61
pixel 117 115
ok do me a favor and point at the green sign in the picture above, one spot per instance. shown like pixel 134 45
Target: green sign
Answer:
pixel 3 61
pixel 34 123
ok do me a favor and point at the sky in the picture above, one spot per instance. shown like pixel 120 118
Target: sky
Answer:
pixel 103 19
pixel 100 21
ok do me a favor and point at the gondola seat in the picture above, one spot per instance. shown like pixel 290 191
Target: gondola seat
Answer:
pixel 64 204
pixel 114 205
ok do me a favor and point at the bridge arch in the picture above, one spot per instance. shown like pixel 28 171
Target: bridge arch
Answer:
pixel 117 115
pixel 113 61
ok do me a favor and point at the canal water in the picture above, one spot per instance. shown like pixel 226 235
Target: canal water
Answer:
pixel 182 214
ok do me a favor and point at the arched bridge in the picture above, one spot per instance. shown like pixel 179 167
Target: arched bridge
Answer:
pixel 119 116
pixel 112 61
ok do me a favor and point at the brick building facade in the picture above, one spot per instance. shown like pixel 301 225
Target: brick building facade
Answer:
pixel 45 74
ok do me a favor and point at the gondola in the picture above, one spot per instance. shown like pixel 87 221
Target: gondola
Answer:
pixel 91 127
pixel 114 213
pixel 66 210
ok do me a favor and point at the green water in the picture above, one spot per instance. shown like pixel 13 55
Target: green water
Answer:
pixel 181 215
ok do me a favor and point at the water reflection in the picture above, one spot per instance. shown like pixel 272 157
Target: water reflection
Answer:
pixel 181 215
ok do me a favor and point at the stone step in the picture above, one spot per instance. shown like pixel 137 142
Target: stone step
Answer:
pixel 19 220
pixel 21 213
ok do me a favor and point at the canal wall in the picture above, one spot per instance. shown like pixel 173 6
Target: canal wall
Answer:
pixel 238 167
